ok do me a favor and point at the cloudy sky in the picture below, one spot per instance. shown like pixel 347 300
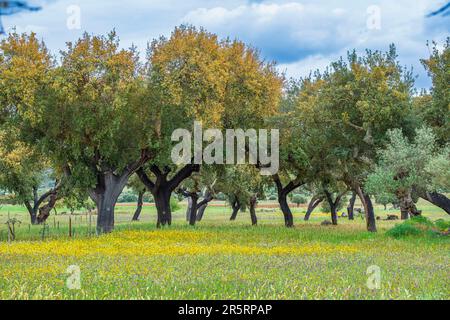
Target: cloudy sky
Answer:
pixel 300 35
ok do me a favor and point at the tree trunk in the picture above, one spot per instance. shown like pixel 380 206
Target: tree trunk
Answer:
pixel 162 201
pixel 283 192
pixel 105 195
pixel 407 206
pixel 44 212
pixel 162 188
pixel 351 207
pixel 35 207
pixel 333 205
pixel 193 213
pixel 32 210
pixel 254 218
pixel 437 199
pixel 315 201
pixel 189 208
pixel 404 214
pixel 203 205
pixel 201 211
pixel 334 217
pixel 287 213
pixel 368 210
pixel 236 207
pixel 140 203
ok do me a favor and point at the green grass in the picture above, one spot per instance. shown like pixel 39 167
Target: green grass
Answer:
pixel 219 259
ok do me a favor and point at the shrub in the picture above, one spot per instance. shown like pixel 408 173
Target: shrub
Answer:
pixel 221 196
pixel 442 225
pixel 127 196
pixel 341 205
pixel 174 204
pixel 272 197
pixel 416 226
pixel 298 199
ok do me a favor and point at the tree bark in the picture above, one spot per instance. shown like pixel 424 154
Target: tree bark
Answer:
pixel 163 187
pixel 333 204
pixel 283 192
pixel 110 185
pixel 105 195
pixel 315 201
pixel 193 213
pixel 407 206
pixel 38 214
pixel 437 199
pixel 201 212
pixel 351 207
pixel 287 213
pixel 32 212
pixel 162 195
pixel 254 218
pixel 203 205
pixel 368 210
pixel 188 209
pixel 140 203
pixel 236 207
pixel 44 212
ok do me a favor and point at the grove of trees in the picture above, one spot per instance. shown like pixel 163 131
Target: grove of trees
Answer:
pixel 99 118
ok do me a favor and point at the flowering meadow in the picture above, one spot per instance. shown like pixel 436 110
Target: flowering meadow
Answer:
pixel 219 260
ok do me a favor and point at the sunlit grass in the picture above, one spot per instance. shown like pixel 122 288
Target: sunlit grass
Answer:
pixel 219 259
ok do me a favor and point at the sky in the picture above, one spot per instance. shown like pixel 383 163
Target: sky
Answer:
pixel 301 36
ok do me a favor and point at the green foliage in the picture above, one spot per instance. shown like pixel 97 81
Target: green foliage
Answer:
pixel 326 206
pixel 299 199
pixel 174 204
pixel 127 197
pixel 416 226
pixel 442 224
pixel 404 164
pixel 435 111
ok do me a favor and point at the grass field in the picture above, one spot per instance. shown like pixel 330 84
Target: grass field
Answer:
pixel 219 259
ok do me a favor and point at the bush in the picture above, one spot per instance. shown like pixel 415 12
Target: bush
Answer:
pixel 272 197
pixel 221 197
pixel 403 230
pixel 174 204
pixel 127 196
pixel 298 199
pixel 442 225
pixel 416 226
pixel 341 205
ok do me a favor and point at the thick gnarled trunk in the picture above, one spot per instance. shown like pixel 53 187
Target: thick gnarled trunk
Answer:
pixel 162 188
pixel 162 196
pixel 105 195
pixel 407 206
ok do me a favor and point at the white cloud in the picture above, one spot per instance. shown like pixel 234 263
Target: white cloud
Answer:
pixel 310 33
pixel 297 34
